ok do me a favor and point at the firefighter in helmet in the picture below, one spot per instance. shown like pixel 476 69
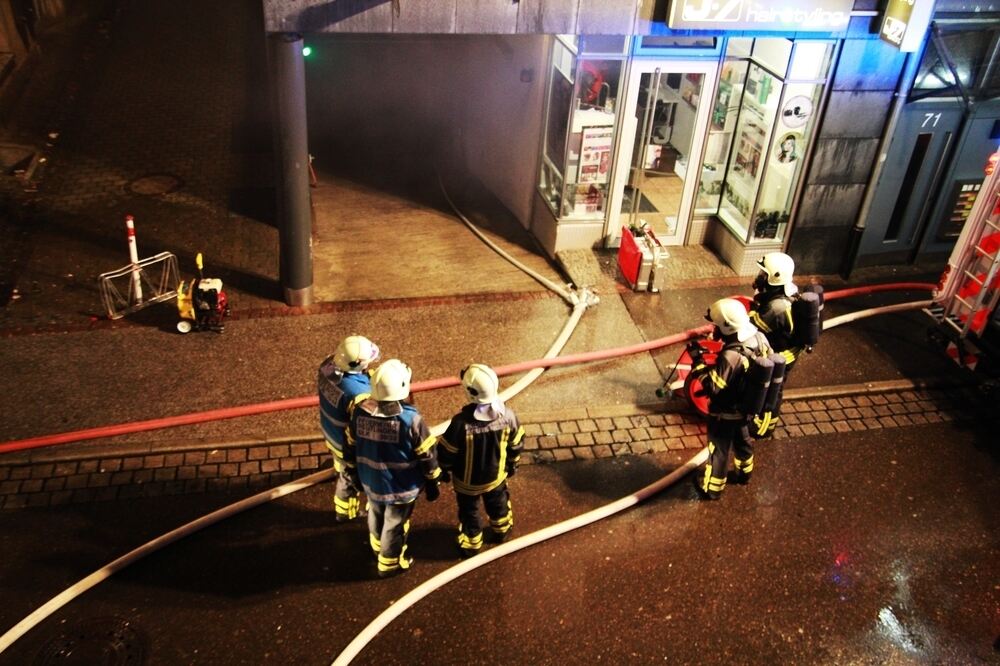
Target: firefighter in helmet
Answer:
pixel 343 375
pixel 480 449
pixel 725 384
pixel 392 454
pixel 771 313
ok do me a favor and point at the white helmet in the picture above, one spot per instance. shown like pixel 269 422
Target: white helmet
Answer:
pixel 481 383
pixel 732 318
pixel 779 268
pixel 355 353
pixel 391 381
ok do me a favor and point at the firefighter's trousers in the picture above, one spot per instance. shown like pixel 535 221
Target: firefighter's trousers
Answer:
pixel 781 396
pixel 346 497
pixel 388 526
pixel 725 435
pixel 498 508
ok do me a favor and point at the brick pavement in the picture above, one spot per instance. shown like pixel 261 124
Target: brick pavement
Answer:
pixel 46 477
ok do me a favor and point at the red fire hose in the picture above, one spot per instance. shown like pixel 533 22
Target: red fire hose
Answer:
pixel 442 382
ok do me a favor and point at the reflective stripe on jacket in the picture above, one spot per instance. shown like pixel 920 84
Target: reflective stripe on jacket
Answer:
pixel 723 382
pixel 393 449
pixel 336 391
pixel 480 454
pixel 771 312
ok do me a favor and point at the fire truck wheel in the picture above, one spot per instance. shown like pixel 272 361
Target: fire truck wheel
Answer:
pixel 184 326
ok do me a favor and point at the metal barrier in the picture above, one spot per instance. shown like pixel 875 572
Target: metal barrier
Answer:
pixel 133 287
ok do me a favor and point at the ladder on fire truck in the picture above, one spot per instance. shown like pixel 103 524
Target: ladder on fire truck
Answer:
pixel 970 286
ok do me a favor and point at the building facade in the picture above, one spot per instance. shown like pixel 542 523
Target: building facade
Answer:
pixel 759 126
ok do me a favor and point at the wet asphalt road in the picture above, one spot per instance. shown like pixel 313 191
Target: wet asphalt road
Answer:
pixel 862 548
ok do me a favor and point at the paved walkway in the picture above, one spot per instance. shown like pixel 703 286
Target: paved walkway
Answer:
pixel 44 477
pixel 168 129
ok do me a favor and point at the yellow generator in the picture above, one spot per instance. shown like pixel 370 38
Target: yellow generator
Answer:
pixel 201 303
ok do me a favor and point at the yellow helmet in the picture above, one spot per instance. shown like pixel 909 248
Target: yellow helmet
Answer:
pixel 391 381
pixel 481 383
pixel 355 353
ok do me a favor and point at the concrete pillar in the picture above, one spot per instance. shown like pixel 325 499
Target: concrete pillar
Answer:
pixel 291 151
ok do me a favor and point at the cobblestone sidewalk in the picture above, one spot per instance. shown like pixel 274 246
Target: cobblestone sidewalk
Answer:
pixel 46 477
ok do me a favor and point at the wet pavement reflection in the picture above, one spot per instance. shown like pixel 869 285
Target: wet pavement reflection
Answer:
pixel 862 547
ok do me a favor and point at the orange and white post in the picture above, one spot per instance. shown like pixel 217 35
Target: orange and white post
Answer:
pixel 133 254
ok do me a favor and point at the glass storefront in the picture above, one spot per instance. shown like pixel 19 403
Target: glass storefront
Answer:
pixel 762 120
pixel 580 127
pixel 741 143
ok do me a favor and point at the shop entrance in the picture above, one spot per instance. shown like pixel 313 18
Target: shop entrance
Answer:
pixel 658 161
pixel 914 167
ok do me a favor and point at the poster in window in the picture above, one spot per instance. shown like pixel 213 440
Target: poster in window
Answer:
pixel 751 143
pixel 595 154
pixel 789 148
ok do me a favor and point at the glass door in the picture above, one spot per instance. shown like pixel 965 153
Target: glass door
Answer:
pixel 659 155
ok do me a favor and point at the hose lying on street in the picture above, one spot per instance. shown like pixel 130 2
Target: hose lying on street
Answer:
pixel 442 382
pixel 579 300
pixel 433 583
pixel 443 578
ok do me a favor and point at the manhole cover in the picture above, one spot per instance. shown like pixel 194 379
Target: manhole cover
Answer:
pixel 107 641
pixel 155 183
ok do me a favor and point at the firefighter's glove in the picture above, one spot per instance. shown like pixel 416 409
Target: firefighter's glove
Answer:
pixel 511 470
pixel 432 491
pixel 695 351
pixel 445 476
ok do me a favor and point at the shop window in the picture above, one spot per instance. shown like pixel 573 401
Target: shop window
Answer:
pixel 761 123
pixel 580 135
pixel 722 126
pixel 602 44
pixel 664 45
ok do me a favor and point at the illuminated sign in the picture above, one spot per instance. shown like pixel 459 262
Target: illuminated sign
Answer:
pixel 905 22
pixel 897 16
pixel 778 15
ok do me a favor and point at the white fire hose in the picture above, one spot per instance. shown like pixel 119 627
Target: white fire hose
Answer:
pixel 580 301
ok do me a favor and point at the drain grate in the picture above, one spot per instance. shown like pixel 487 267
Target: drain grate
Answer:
pixel 108 641
pixel 154 183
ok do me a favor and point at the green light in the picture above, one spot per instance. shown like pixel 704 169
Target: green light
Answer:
pixel 306 51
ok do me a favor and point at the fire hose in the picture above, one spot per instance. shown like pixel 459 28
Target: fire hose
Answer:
pixel 442 382
pixel 57 602
pixel 579 300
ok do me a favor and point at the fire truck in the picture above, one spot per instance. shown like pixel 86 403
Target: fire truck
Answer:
pixel 965 301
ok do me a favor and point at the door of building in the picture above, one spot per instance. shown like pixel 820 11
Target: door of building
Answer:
pixel 658 161
pixel 908 187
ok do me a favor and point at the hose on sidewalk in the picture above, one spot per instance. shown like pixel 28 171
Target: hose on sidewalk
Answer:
pixel 579 300
pixel 480 559
pixel 442 382
pixel 433 583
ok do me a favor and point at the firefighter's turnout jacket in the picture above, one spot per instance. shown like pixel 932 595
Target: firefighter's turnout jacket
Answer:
pixel 392 448
pixel 481 454
pixel 726 386
pixel 723 382
pixel 771 313
pixel 337 390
